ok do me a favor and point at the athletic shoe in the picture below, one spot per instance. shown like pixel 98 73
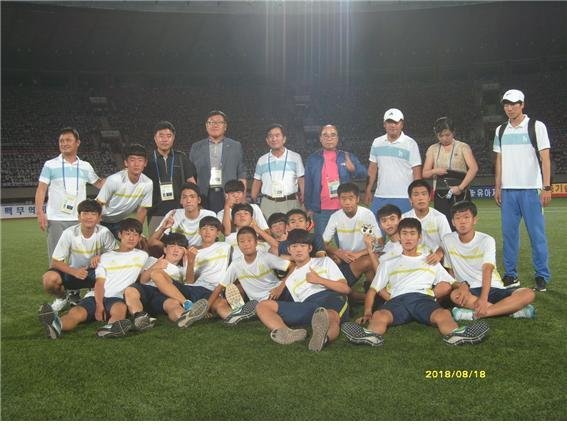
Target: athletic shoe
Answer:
pixel 359 335
pixel 528 312
pixel 197 312
pixel 187 304
pixel 50 321
pixel 320 326
pixel 247 311
pixel 142 321
pixel 540 284
pixel 462 313
pixel 74 296
pixel 114 330
pixel 59 304
pixel 471 334
pixel 287 336
pixel 233 296
pixel 511 282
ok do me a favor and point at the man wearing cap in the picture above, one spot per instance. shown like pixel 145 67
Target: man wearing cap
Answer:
pixel 522 188
pixel 395 160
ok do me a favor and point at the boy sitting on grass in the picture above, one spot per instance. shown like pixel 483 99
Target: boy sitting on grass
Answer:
pixel 472 257
pixel 115 272
pixel 298 219
pixel 76 256
pixel 318 290
pixel 412 280
pixel 235 193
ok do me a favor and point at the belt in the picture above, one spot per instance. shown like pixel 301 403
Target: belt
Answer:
pixel 283 198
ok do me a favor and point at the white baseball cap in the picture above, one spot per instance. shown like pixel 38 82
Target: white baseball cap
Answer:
pixel 513 96
pixel 393 114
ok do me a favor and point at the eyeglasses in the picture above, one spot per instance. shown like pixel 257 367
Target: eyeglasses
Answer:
pixel 329 135
pixel 211 123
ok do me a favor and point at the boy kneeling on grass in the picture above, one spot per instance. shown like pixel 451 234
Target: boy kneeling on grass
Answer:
pixel 318 290
pixel 412 280
pixel 472 256
pixel 115 272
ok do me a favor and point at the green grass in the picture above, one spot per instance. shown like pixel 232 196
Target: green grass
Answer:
pixel 211 372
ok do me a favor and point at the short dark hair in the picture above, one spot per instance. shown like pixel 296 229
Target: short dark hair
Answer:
pixel 89 205
pixel 210 221
pixel 217 112
pixel 71 130
pixel 419 183
pixel 443 123
pixel 175 238
pixel 241 207
pixel 297 211
pixel 164 125
pixel 134 150
pixel 275 125
pixel 190 186
pixel 247 230
pixel 463 206
pixel 409 223
pixel 387 210
pixel 277 217
pixel 130 224
pixel 299 236
pixel 349 187
pixel 234 186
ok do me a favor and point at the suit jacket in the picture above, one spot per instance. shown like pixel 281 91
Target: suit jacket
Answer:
pixel 232 162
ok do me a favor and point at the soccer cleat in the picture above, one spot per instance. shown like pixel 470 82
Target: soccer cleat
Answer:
pixel 74 296
pixel 359 335
pixel 247 311
pixel 320 326
pixel 511 281
pixel 197 312
pixel 114 330
pixel 143 321
pixel 462 313
pixel 187 304
pixel 59 304
pixel 233 296
pixel 471 334
pixel 50 321
pixel 528 312
pixel 540 284
pixel 287 336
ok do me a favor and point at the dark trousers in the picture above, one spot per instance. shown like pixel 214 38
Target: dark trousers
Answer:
pixel 215 200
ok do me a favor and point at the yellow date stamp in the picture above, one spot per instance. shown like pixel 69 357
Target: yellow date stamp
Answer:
pixel 455 374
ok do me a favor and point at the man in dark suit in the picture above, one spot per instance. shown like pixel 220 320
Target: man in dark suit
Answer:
pixel 217 159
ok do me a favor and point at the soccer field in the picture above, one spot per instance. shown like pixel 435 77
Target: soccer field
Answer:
pixel 211 372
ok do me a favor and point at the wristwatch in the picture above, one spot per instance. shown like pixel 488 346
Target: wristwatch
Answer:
pixel 547 188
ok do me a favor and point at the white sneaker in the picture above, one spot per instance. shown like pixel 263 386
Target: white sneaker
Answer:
pixel 528 312
pixel 59 304
pixel 233 296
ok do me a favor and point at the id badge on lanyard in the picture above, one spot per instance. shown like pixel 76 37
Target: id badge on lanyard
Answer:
pixel 166 191
pixel 333 188
pixel 68 204
pixel 277 189
pixel 216 177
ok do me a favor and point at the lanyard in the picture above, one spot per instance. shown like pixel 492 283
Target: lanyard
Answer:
pixel 63 172
pixel 450 158
pixel 170 168
pixel 285 163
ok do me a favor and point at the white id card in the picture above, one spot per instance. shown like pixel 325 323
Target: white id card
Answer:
pixel 333 188
pixel 166 190
pixel 216 177
pixel 68 204
pixel 277 189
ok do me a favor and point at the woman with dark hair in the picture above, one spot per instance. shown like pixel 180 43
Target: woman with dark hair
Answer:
pixel 451 165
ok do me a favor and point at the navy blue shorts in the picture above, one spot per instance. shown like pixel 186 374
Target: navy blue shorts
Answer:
pixel 152 299
pixel 89 304
pixel 300 313
pixel 193 292
pixel 345 269
pixel 495 295
pixel 412 306
pixel 71 282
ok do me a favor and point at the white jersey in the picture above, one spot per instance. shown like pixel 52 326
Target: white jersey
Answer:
pixel 257 278
pixel 395 161
pixel 175 272
pixel 77 251
pixel 121 197
pixel 66 186
pixel 348 228
pixel 279 175
pixel 187 226
pixel 467 259
pixel 520 167
pixel 391 249
pixel 237 253
pixel 119 270
pixel 297 284
pixel 433 227
pixel 258 216
pixel 403 275
pixel 211 264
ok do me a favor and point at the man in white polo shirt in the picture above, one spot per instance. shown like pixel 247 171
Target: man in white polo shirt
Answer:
pixel 64 180
pixel 278 175
pixel 395 161
pixel 521 189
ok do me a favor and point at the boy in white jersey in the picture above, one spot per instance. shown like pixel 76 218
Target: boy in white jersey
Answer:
pixel 183 220
pixel 235 193
pixel 472 257
pixel 76 256
pixel 115 272
pixel 298 219
pixel 318 290
pixel 126 191
pixel 412 280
